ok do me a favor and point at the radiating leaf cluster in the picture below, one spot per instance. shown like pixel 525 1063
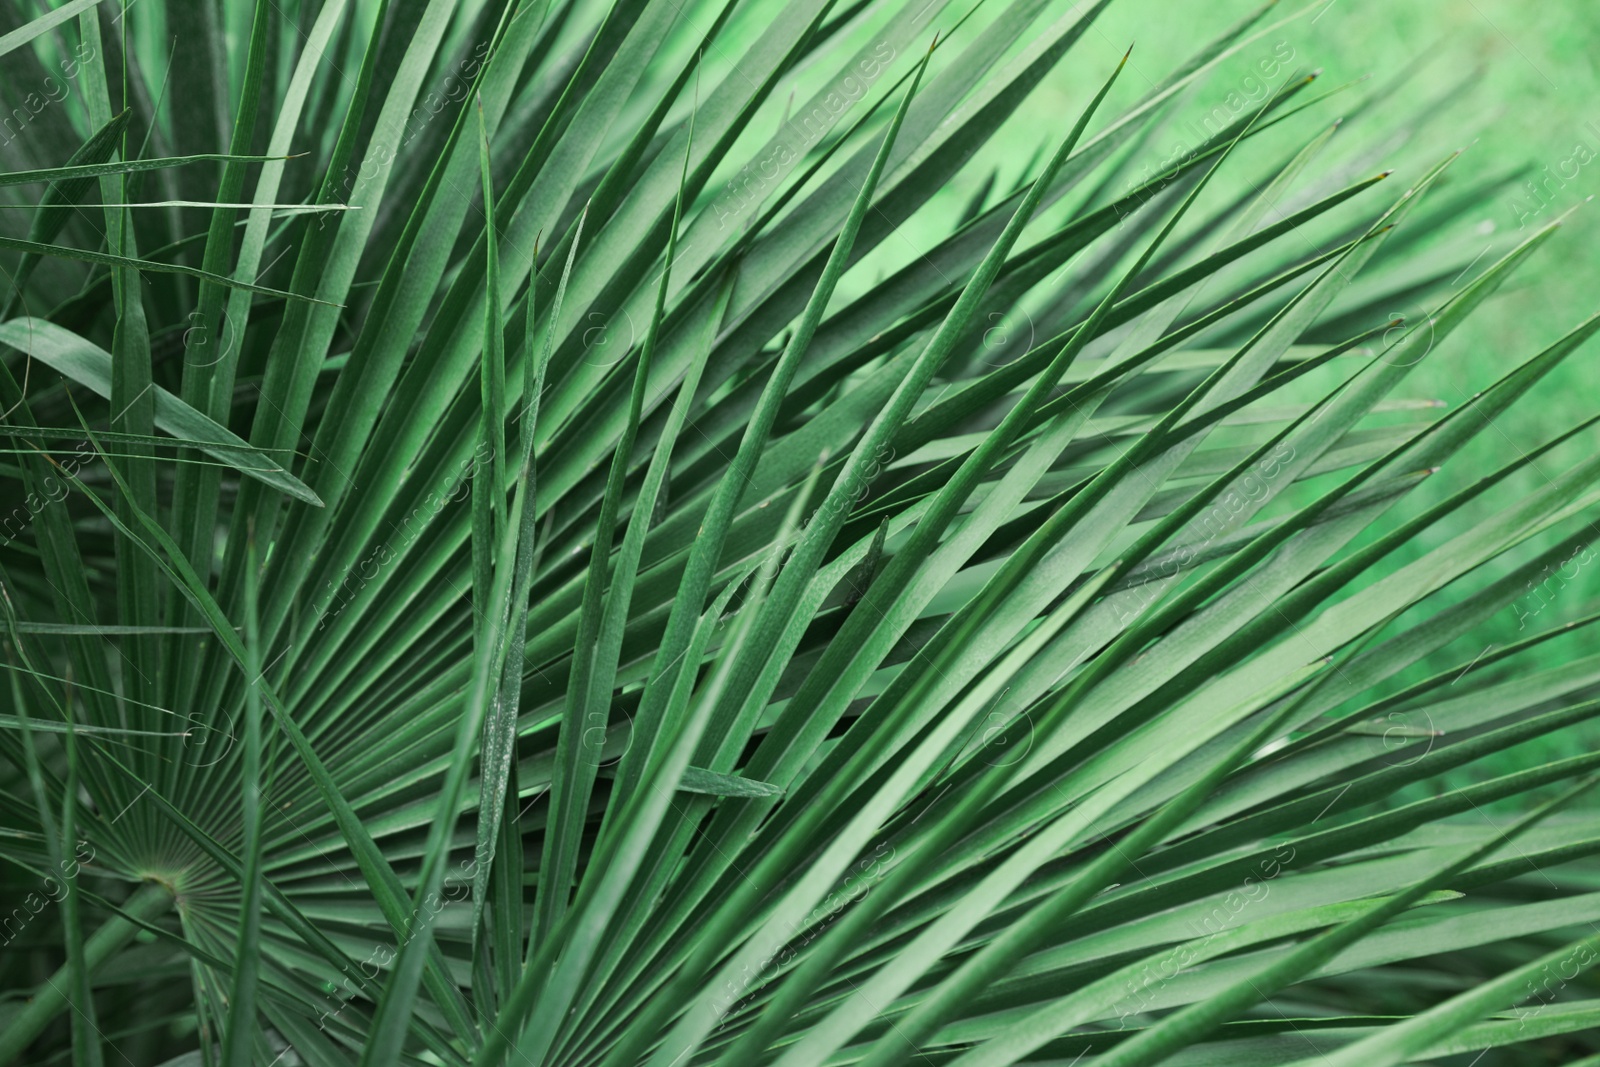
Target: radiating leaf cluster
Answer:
pixel 554 536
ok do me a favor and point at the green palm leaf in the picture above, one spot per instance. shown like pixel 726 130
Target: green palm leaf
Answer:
pixel 648 533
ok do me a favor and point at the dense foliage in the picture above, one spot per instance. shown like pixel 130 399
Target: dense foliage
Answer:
pixel 546 532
